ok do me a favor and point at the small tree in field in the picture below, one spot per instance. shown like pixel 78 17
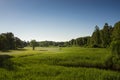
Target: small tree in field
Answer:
pixel 33 44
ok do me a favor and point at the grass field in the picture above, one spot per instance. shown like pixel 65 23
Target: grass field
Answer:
pixel 69 63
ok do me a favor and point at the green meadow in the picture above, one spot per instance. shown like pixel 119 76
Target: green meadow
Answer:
pixel 57 63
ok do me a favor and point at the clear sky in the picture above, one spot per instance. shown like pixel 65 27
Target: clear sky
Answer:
pixel 56 20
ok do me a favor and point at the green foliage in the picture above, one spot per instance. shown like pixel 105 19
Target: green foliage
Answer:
pixel 18 43
pixel 95 40
pixel 33 43
pixel 3 44
pixel 53 43
pixel 9 42
pixel 106 35
pixel 115 48
pixel 99 38
pixel 83 41
pixel 116 32
pixel 113 61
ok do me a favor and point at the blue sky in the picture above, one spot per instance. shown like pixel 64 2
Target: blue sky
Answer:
pixel 56 20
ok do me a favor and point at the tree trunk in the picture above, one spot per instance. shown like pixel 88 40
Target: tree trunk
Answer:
pixel 33 47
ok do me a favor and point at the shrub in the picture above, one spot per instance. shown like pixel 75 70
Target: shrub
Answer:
pixel 115 57
pixel 115 48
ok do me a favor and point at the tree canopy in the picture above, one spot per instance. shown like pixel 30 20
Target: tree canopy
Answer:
pixel 8 41
pixel 33 43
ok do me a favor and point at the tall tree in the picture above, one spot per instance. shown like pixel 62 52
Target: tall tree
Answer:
pixel 115 45
pixel 95 40
pixel 116 32
pixel 106 35
pixel 10 40
pixel 3 44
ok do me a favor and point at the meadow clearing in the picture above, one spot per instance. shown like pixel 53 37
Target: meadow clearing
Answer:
pixel 55 63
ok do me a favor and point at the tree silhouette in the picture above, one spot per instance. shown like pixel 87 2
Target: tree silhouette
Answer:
pixel 33 44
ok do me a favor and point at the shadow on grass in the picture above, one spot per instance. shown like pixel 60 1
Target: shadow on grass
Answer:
pixel 27 55
pixel 21 49
pixel 97 66
pixel 6 63
pixel 42 50
pixel 5 51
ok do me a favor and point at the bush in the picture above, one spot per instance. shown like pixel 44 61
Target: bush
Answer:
pixel 115 57
pixel 115 48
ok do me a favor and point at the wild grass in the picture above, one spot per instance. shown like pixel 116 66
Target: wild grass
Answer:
pixel 69 63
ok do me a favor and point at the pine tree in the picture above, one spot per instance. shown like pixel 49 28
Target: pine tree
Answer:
pixel 106 35
pixel 95 40
pixel 116 32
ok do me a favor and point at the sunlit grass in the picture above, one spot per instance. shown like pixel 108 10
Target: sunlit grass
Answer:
pixel 54 63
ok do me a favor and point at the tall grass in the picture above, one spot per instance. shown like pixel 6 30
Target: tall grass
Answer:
pixel 71 63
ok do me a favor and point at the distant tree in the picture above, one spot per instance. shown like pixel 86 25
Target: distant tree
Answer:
pixel 80 41
pixel 33 44
pixel 72 42
pixel 88 40
pixel 61 44
pixel 95 39
pixel 28 43
pixel 7 41
pixel 25 43
pixel 18 43
pixel 106 35
pixel 116 32
pixel 10 40
pixel 77 42
pixel 3 44
pixel 67 44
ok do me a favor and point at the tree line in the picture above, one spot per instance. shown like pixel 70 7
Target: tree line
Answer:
pixel 100 38
pixel 104 37
pixel 9 42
